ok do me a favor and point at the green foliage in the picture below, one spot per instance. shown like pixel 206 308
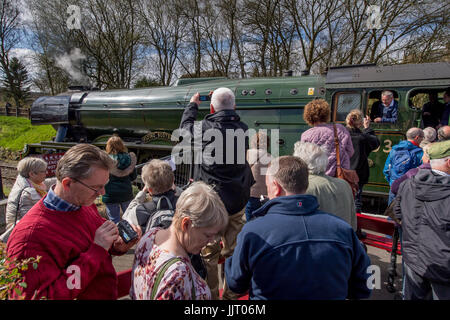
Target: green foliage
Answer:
pixel 11 279
pixel 16 132
pixel 16 82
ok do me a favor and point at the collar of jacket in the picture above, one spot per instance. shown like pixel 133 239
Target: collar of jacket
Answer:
pixel 297 204
pixel 223 115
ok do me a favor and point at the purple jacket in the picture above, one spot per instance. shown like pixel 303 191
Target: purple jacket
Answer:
pixel 323 135
pixel 411 172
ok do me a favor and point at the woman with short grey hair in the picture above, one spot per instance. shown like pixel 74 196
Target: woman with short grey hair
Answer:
pixel 333 195
pixel 162 268
pixel 30 186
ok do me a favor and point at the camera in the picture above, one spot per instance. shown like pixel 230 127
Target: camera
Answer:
pixel 205 98
pixel 126 232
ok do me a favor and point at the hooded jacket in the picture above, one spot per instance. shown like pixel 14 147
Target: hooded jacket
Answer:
pixel 423 207
pixel 119 188
pixel 231 177
pixel 294 251
pixel 416 159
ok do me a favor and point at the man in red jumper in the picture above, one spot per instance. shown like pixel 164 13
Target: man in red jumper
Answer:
pixel 65 229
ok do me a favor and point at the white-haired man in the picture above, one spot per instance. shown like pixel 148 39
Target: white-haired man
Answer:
pixel 386 110
pixel 333 195
pixel 429 136
pixel 231 176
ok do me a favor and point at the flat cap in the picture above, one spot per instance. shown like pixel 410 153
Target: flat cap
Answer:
pixel 439 150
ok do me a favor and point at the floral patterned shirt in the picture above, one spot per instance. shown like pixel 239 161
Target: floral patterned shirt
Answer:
pixel 176 284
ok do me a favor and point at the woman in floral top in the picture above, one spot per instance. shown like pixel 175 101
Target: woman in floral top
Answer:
pixel 200 215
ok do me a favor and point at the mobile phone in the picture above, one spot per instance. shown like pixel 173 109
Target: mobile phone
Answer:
pixel 205 98
pixel 126 232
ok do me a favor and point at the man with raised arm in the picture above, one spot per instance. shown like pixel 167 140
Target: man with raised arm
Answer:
pixel 221 134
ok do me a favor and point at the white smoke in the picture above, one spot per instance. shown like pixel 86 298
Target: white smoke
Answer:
pixel 71 63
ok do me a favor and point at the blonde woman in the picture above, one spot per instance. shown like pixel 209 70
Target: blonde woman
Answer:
pixel 162 269
pixel 30 186
pixel 119 191
pixel 364 142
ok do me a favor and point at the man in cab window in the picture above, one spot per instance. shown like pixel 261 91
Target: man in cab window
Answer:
pixel 386 110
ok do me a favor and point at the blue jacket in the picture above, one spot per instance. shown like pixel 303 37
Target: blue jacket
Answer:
pixel 295 251
pixel 387 115
pixel 416 160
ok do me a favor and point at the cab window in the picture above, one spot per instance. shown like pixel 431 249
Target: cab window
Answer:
pixel 346 102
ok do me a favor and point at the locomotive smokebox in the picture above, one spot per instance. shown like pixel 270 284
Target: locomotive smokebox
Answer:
pixel 50 110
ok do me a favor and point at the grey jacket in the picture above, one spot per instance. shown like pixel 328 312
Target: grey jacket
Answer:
pixel 334 196
pixel 423 208
pixel 22 197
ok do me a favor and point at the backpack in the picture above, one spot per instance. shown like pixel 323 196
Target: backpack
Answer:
pixel 161 217
pixel 402 160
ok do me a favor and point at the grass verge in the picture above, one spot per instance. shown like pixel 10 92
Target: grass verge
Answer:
pixel 16 132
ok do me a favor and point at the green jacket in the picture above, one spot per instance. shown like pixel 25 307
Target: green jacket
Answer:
pixel 334 196
pixel 119 188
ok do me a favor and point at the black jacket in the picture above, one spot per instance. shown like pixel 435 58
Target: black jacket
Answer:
pixel 232 178
pixel 364 142
pixel 423 207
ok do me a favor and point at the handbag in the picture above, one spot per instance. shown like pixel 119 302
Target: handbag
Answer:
pixel 345 174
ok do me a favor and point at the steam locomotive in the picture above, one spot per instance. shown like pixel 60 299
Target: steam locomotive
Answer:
pixel 145 118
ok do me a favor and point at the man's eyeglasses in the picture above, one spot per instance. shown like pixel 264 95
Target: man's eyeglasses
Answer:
pixel 93 189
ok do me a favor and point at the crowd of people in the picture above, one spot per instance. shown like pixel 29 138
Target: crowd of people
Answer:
pixel 286 225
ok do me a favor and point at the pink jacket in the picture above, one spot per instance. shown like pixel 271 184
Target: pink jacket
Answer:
pixel 323 135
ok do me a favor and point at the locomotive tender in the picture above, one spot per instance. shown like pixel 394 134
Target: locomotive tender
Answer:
pixel 145 118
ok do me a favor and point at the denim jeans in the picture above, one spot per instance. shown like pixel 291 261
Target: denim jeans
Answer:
pixel 252 205
pixel 358 201
pixel 113 210
pixel 391 197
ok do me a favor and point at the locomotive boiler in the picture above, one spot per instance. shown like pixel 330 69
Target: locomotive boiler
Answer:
pixel 145 118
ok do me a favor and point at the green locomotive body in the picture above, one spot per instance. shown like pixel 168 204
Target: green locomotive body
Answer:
pixel 145 118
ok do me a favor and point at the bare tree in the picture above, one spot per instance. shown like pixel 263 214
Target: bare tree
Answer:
pixel 10 35
pixel 311 20
pixel 164 32
pixel 109 35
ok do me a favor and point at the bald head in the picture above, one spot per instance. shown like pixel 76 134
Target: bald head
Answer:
pixel 444 133
pixel 414 132
pixel 223 99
